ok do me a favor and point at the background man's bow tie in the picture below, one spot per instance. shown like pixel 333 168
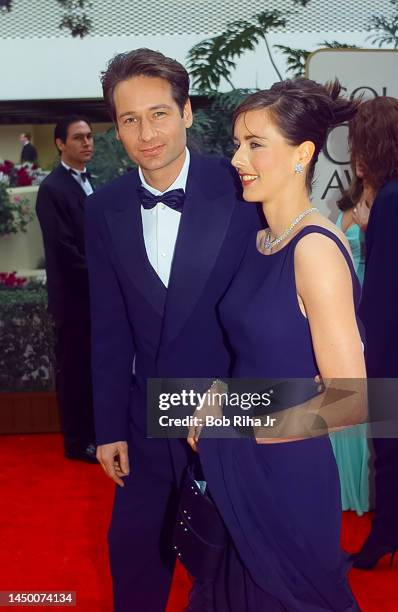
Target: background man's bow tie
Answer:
pixel 173 199
pixel 83 175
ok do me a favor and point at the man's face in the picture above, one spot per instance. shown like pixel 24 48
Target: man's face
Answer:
pixel 23 138
pixel 77 150
pixel 150 124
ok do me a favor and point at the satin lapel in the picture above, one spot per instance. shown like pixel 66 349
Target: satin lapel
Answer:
pixel 125 227
pixel 203 226
pixel 71 184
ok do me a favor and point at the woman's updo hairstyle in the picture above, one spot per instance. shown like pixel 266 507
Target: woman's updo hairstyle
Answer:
pixel 303 110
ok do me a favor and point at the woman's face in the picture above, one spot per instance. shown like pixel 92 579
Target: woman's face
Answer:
pixel 264 160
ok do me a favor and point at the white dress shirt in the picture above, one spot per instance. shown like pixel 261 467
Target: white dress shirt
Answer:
pixel 85 185
pixel 160 226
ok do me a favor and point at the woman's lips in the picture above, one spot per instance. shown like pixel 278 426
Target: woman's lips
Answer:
pixel 247 179
pixel 152 151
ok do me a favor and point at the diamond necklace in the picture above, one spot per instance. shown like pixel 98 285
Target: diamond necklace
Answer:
pixel 270 244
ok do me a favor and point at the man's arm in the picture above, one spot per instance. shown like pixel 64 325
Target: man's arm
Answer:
pixel 112 351
pixel 51 209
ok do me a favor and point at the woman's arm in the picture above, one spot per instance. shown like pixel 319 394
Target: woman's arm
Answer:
pixel 324 284
pixel 325 290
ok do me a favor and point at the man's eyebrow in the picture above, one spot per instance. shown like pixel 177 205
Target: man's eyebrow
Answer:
pixel 155 107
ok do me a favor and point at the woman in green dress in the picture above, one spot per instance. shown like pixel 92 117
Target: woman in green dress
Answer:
pixel 351 447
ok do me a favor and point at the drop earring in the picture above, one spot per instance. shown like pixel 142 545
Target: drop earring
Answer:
pixel 298 168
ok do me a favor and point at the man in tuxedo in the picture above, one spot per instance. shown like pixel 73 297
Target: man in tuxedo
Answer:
pixel 163 243
pixel 29 152
pixel 60 208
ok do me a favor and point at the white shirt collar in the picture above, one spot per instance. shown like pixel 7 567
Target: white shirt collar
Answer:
pixel 179 183
pixel 74 169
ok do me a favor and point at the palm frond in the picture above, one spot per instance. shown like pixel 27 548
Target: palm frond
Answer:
pixel 214 59
pixel 295 59
pixel 334 44
pixel 388 34
pixel 387 28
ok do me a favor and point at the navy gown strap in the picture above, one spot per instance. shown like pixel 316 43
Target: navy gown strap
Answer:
pixel 318 229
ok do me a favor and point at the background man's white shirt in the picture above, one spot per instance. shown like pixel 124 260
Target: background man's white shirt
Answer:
pixel 85 185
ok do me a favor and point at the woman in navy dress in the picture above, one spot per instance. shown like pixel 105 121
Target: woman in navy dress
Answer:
pixel 289 313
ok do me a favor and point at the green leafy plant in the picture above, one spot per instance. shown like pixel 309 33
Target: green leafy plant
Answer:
pixel 5 6
pixel 27 361
pixel 387 26
pixel 75 19
pixel 110 159
pixel 211 129
pixel 296 58
pixel 214 59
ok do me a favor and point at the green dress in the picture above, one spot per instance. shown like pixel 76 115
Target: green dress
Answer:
pixel 351 446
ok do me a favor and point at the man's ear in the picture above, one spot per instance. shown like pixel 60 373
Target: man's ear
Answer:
pixel 59 144
pixel 117 133
pixel 187 114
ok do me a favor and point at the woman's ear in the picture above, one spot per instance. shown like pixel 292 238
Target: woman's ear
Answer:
pixel 305 152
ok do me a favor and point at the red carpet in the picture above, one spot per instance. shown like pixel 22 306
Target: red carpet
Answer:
pixel 54 515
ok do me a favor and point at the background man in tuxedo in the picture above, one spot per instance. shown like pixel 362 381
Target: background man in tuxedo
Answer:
pixel 163 243
pixel 29 152
pixel 60 209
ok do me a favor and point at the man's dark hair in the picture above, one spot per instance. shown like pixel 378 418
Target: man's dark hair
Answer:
pixel 61 129
pixel 145 62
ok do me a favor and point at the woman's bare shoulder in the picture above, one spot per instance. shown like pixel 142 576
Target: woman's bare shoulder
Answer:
pixel 322 221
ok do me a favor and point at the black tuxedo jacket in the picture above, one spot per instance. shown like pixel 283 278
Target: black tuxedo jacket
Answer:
pixel 28 153
pixel 60 209
pixel 173 332
pixel 379 305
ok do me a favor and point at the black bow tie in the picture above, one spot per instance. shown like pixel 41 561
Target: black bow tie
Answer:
pixel 83 175
pixel 173 199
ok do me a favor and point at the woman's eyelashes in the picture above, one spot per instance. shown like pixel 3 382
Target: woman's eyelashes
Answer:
pixel 252 145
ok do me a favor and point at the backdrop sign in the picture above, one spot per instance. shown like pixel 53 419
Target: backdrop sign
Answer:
pixel 367 72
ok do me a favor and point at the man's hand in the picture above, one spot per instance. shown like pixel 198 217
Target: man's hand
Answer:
pixel 114 460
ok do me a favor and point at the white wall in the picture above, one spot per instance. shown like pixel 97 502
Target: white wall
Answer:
pixel 67 68
pixel 10 147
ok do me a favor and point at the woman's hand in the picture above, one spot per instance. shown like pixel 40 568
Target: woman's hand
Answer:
pixel 195 431
pixel 360 214
pixel 212 407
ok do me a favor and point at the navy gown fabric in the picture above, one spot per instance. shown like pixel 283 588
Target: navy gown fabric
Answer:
pixel 280 502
